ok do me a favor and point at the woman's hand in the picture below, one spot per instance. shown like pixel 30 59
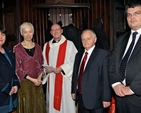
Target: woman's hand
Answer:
pixel 36 82
pixel 14 89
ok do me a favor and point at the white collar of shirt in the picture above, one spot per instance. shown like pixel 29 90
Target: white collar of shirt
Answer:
pixel 89 54
pixel 89 51
pixel 130 40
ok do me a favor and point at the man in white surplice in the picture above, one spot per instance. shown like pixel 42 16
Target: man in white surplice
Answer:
pixel 59 54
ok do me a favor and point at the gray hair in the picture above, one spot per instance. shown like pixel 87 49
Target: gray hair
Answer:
pixel 24 25
pixel 93 33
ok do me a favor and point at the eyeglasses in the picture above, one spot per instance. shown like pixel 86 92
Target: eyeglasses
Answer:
pixel 136 14
pixel 57 29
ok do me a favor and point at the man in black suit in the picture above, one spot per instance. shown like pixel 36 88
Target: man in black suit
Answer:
pixel 125 76
pixel 94 93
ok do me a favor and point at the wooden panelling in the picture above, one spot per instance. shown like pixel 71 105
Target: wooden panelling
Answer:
pixel 59 1
pixel 101 10
pixel 39 16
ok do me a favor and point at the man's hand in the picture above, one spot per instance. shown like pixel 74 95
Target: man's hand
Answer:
pixel 127 91
pixel 106 104
pixel 49 70
pixel 119 90
pixel 122 90
pixel 57 70
pixel 73 96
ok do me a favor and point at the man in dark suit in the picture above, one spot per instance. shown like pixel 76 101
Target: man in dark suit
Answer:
pixel 125 72
pixel 94 93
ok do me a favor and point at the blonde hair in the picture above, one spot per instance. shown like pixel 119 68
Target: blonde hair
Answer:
pixel 25 24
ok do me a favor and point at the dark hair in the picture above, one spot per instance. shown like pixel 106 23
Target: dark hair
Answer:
pixel 132 5
pixel 2 29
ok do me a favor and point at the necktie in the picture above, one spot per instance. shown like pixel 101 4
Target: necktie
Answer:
pixel 125 59
pixel 81 73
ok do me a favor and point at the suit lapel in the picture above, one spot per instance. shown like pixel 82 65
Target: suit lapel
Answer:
pixel 4 61
pixel 91 59
pixel 137 48
pixel 122 45
pixel 79 59
pixel 9 56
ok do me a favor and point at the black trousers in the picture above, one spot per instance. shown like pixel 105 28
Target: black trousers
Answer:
pixel 123 106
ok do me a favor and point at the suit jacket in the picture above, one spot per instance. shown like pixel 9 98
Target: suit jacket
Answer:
pixel 8 79
pixel 95 84
pixel 133 68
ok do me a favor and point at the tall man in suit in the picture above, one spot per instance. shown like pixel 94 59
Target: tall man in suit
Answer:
pixel 94 92
pixel 126 82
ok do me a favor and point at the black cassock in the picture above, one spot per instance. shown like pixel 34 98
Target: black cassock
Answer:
pixel 102 41
pixel 73 34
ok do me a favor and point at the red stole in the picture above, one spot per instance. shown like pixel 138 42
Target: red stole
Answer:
pixel 58 78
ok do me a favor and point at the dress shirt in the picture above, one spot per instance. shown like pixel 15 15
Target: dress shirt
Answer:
pixel 88 56
pixel 130 40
